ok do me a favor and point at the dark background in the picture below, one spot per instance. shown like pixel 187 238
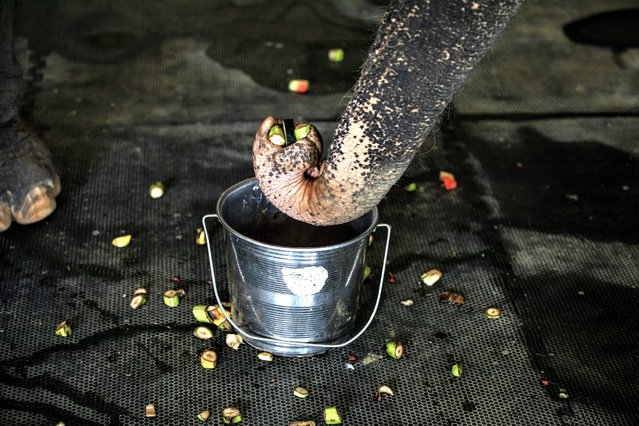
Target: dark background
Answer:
pixel 543 143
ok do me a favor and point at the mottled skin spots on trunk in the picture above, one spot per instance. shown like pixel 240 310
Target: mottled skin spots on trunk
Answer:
pixel 423 52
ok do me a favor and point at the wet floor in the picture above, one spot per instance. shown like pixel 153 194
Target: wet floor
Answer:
pixel 541 224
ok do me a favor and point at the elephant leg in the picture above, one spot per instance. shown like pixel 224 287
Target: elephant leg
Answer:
pixel 28 181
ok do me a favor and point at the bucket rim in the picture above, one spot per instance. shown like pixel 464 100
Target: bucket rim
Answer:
pixel 253 181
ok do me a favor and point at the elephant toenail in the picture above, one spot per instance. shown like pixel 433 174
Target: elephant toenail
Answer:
pixel 5 219
pixel 38 204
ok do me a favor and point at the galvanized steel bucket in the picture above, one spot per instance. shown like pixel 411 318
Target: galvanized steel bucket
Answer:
pixel 294 287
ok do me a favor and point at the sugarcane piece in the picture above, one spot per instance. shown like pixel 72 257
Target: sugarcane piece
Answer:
pixel 63 329
pixel 276 135
pixel 203 333
pixel 199 312
pixel 204 415
pixel 303 423
pixel 122 241
pixel 331 416
pixel 200 238
pixel 301 131
pixel 231 415
pixel 208 359
pixel 234 341
pixel 139 291
pixel 367 271
pixel 149 410
pixel 381 391
pixel 225 327
pixel 411 187
pixel 431 276
pixel 138 301
pixel 298 86
pixel 336 55
pixel 395 350
pixel 300 392
pixel 156 190
pixel 215 314
pixel 265 356
pixel 493 313
pixel 171 298
pixel 456 370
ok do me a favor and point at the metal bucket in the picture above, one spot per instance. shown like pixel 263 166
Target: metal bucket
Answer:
pixel 294 287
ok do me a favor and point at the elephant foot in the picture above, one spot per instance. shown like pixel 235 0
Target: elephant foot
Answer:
pixel 28 181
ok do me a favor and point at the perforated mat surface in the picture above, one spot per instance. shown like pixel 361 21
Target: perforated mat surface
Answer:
pixel 541 226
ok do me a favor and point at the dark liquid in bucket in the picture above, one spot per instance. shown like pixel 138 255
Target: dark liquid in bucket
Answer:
pixel 281 230
pixel 247 211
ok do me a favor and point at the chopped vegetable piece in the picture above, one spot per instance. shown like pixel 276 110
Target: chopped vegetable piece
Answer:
pixel 203 333
pixel 351 358
pixel 371 240
pixel 149 410
pixel 199 312
pixel 139 291
pixel 371 358
pixel 156 190
pixel 302 131
pixel 411 187
pixel 395 350
pixel 200 238
pixel 231 415
pixel 122 241
pixel 300 392
pixel 303 423
pixel 63 329
pixel 138 301
pixel 451 297
pixel 171 298
pixel 381 391
pixel 298 86
pixel 208 359
pixel 448 179
pixel 493 313
pixel 367 271
pixel 431 276
pixel 391 278
pixel 203 416
pixel 456 370
pixel 331 416
pixel 336 55
pixel 265 356
pixel 563 394
pixel 225 327
pixel 215 314
pixel 407 302
pixel 176 279
pixel 234 341
pixel 276 135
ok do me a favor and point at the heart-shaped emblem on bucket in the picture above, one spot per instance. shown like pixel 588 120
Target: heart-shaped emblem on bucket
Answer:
pixel 305 281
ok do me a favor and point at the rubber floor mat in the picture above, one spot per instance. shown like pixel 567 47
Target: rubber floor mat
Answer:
pixel 540 226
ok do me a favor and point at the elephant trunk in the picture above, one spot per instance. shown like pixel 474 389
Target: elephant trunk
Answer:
pixel 423 52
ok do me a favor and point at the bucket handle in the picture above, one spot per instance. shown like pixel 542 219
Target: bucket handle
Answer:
pixel 293 342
